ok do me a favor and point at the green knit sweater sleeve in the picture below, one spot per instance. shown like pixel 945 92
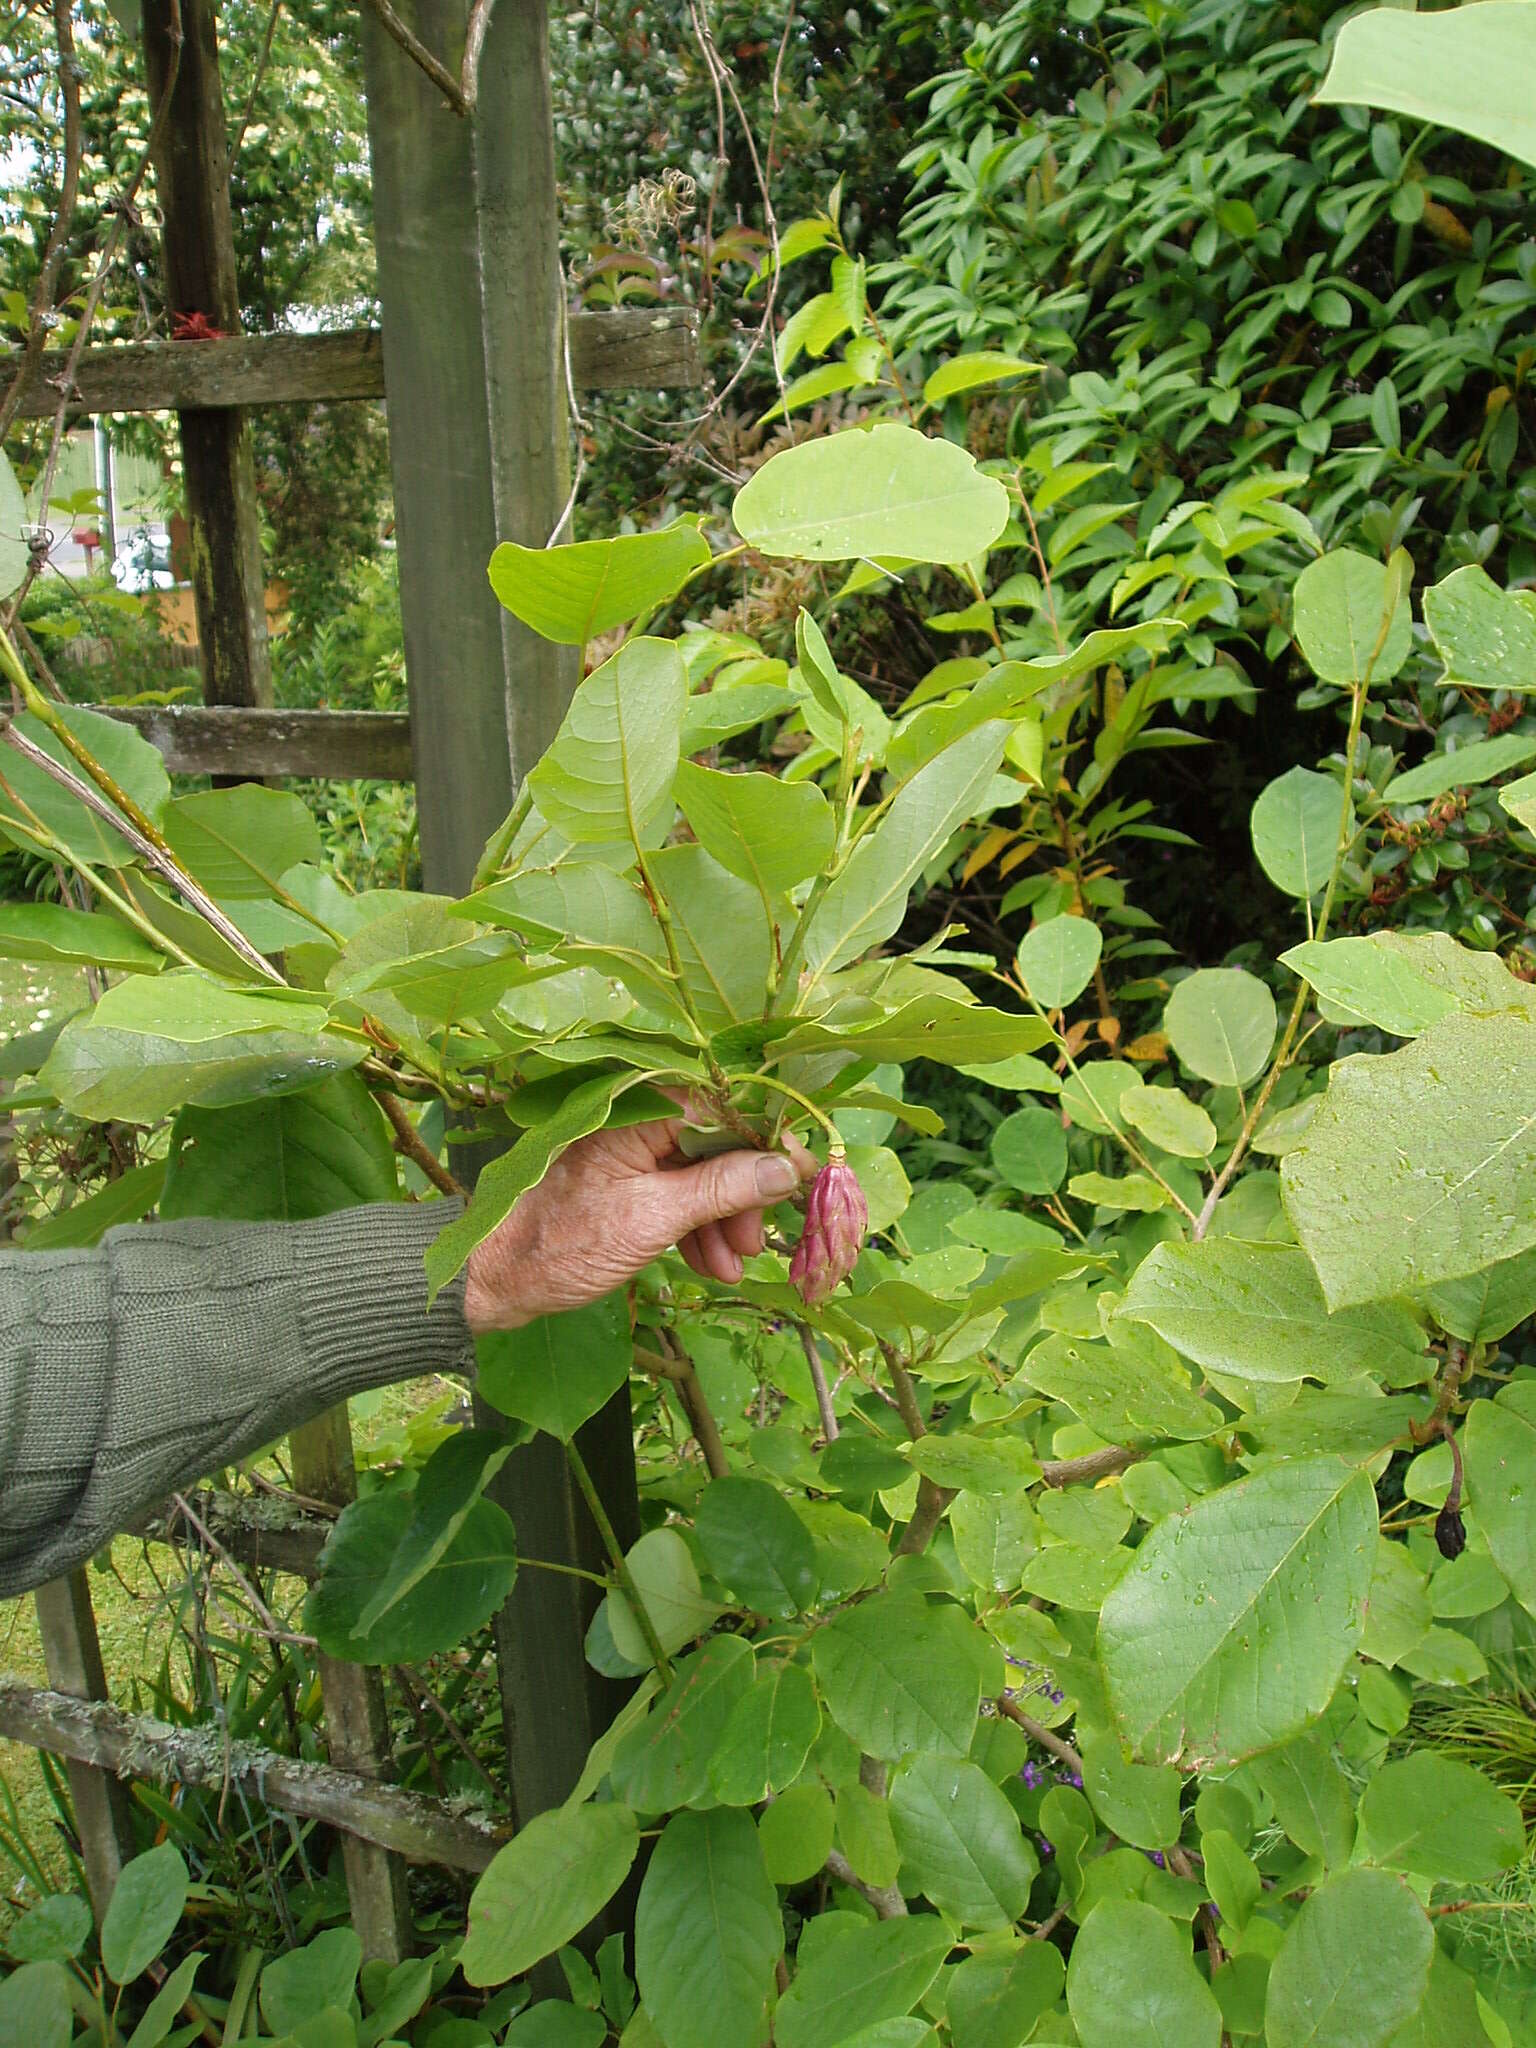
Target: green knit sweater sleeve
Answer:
pixel 130 1371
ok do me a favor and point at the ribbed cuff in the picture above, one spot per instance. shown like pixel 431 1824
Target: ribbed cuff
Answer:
pixel 364 1307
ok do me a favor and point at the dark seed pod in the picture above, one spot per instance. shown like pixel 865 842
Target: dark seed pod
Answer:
pixel 1450 1532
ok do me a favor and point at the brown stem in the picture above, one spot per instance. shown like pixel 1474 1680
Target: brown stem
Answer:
pixel 203 904
pixel 474 43
pixel 885 1898
pixel 926 1516
pixel 819 1382
pixel 449 86
pixel 701 1420
pixel 409 1141
pixel 1089 1469
pixel 1046 1737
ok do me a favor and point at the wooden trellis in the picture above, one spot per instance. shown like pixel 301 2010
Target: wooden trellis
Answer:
pixel 474 360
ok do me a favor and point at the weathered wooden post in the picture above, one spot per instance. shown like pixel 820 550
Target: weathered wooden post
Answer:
pixel 192 184
pixel 469 277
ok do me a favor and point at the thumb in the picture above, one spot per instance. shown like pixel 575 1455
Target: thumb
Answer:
pixel 727 1185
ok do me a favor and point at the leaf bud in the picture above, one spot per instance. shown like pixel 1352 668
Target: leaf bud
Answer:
pixel 836 1218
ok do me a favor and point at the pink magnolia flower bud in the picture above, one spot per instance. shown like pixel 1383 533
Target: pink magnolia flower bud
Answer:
pixel 836 1218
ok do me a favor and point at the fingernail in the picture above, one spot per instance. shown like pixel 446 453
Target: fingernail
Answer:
pixel 776 1175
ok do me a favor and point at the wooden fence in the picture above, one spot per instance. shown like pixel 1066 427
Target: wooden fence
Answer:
pixel 475 360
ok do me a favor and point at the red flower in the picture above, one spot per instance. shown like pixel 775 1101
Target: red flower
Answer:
pixel 195 327
pixel 836 1218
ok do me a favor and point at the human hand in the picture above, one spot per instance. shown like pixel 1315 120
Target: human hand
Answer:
pixel 613 1202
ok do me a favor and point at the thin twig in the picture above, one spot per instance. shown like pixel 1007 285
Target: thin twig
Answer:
pixel 819 1382
pixel 202 903
pixel 261 72
pixel 124 210
pixel 885 1898
pixel 474 43
pixel 1046 1737
pixel 1089 1469
pixel 706 1431
pixel 409 1141
pixel 53 253
pixel 449 86
pixel 271 1624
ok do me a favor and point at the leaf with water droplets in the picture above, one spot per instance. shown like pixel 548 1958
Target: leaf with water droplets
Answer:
pixel 1231 1630
pixel 1420 1165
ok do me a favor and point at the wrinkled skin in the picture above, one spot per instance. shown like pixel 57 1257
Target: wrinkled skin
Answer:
pixel 611 1204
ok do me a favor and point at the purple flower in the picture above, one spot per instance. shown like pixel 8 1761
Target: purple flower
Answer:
pixel 1033 1776
pixel 1156 1856
pixel 836 1218
pixel 1046 1848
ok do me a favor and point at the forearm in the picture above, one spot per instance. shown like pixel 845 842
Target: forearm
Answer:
pixel 129 1371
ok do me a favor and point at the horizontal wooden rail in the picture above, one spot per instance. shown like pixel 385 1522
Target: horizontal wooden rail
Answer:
pixel 630 350
pixel 137 1745
pixel 256 1530
pixel 198 739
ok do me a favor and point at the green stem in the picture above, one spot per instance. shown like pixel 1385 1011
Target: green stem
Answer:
pixel 621 1571
pixel 834 1135
pixel 1342 844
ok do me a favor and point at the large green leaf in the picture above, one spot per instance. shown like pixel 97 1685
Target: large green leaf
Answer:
pixel 764 1744
pixel 537 1893
pixel 453 1479
pixel 1464 68
pixel 573 593
pixel 868 900
pixel 1437 1817
pixel 154 1043
pixel 557 1371
pixel 239 842
pixel 1482 1307
pixel 757 1546
pixel 1479 761
pixel 860 1977
pixel 465 1586
pixel 1499 1444
pixel 1124 1392
pixel 124 1200
pixel 1221 1022
pixel 1341 618
pixel 663 1762
pixel 1257 1311
pixel 1418 1166
pixel 14 552
pixel 501 1183
pixel 1353 1965
pixel 1233 1625
pixel 284 1159
pixel 960 1841
pixel 1132 1982
pixel 607 774
pixel 1311 1798
pixel 1056 959
pixel 1361 981
pixel 996 2001
pixel 666 1579
pixel 55 935
pixel 307 1983
pixel 721 928
pixel 134 765
pixel 899 1675
pixel 770 832
pixel 1295 829
pixel 934 1027
pixel 870 491
pixel 708 1932
pixel 146 1905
